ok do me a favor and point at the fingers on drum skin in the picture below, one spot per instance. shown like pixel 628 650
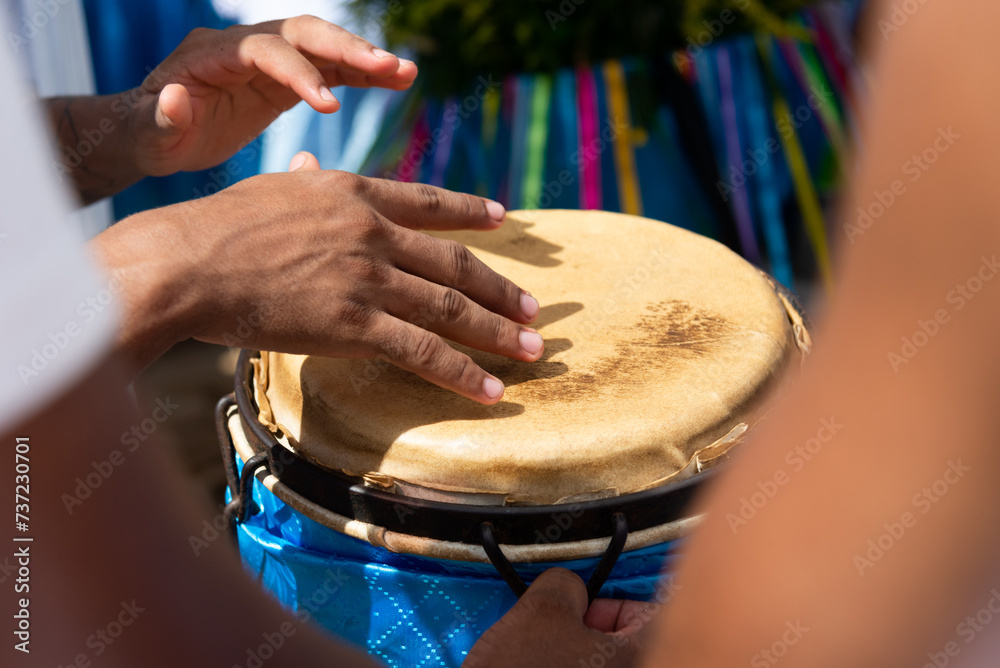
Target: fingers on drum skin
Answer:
pixel 453 315
pixel 430 357
pixel 422 207
pixel 452 265
pixel 446 263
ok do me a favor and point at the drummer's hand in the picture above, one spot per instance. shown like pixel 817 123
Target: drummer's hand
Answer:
pixel 324 263
pixel 221 88
pixel 551 626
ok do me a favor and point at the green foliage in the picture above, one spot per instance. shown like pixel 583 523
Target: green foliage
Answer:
pixel 459 39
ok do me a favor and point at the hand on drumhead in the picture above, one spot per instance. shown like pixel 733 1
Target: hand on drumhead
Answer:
pixel 325 263
pixel 221 88
pixel 551 626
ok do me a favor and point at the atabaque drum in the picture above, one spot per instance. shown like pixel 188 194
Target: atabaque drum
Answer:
pixel 407 519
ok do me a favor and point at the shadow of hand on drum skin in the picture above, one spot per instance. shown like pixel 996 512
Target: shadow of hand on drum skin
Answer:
pixel 513 372
pixel 403 401
pixel 513 241
pixel 552 313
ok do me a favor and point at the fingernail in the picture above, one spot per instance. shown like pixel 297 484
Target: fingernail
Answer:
pixel 404 61
pixel 529 306
pixel 297 161
pixel 380 53
pixel 495 209
pixel 531 341
pixel 492 387
pixel 325 93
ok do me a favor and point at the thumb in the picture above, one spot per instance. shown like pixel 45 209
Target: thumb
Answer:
pixel 557 590
pixel 174 113
pixel 304 161
pixel 546 628
pixel 560 597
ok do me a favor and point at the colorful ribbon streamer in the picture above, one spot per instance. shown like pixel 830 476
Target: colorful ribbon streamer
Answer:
pixel 588 155
pixel 537 141
pixel 621 117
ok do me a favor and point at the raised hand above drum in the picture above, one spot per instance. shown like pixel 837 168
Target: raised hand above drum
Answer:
pixel 221 88
pixel 324 263
pixel 212 96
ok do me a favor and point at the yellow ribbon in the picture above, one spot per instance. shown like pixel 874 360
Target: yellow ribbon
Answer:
pixel 618 108
pixel 805 193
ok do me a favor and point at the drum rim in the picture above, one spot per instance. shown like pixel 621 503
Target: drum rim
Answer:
pixel 453 522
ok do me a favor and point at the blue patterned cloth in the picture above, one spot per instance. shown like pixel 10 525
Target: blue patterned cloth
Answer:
pixel 404 610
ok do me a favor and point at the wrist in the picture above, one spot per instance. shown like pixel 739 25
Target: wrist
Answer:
pixel 95 147
pixel 126 107
pixel 156 283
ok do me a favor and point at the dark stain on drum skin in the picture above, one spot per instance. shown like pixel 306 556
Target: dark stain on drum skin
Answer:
pixel 672 333
pixel 667 337
pixel 678 325
pixel 670 336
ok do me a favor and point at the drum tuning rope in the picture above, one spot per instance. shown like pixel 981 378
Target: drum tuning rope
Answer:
pixel 597 579
pixel 238 509
pixel 607 562
pixel 500 560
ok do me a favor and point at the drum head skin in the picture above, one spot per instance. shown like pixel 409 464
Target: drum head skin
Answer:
pixel 658 346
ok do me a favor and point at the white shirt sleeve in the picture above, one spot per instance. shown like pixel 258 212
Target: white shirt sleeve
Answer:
pixel 51 36
pixel 58 314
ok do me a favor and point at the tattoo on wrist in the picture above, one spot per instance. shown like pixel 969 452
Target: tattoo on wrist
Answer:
pixel 84 150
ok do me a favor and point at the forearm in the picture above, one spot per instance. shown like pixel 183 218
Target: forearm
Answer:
pixel 852 531
pixel 94 147
pixel 124 547
pixel 156 279
pixel 869 546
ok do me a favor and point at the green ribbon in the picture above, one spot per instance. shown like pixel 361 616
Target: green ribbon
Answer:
pixel 536 142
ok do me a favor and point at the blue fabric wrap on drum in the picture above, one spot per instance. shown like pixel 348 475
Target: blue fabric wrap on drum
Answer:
pixel 403 609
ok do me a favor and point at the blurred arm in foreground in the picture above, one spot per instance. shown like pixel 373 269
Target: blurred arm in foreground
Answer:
pixel 881 540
